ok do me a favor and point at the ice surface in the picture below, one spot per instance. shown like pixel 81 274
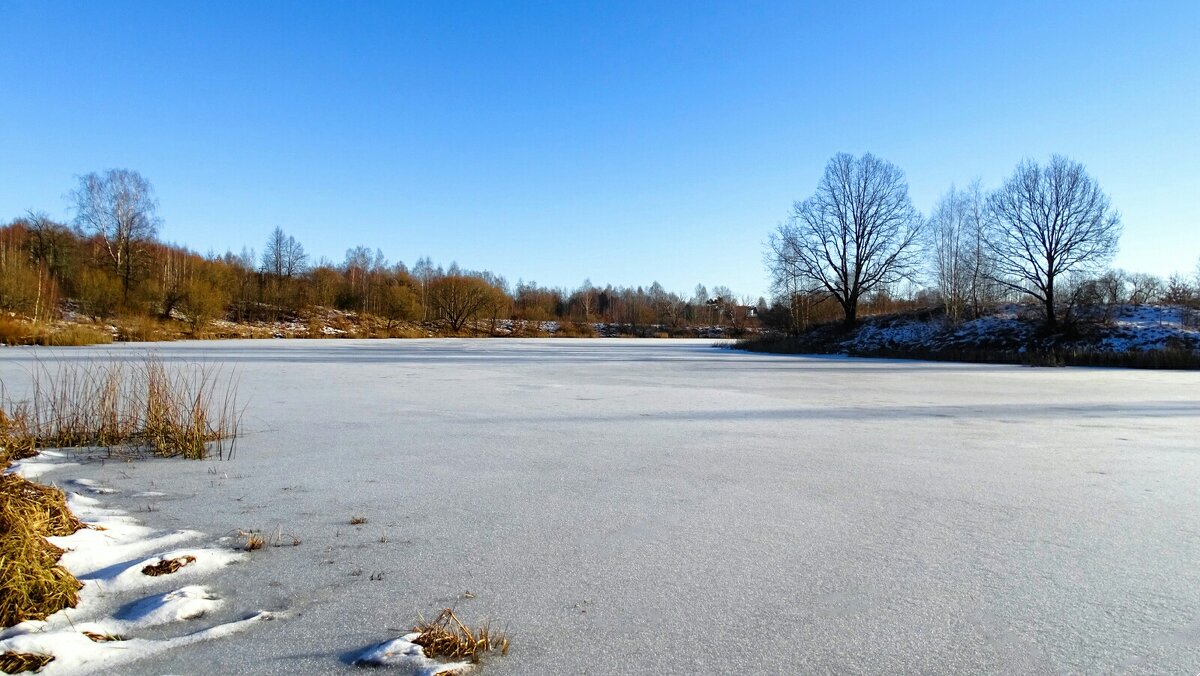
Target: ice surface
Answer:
pixel 667 507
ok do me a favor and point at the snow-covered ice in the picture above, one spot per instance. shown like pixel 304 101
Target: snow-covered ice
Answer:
pixel 668 507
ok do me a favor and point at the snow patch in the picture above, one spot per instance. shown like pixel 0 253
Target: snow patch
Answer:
pixel 75 653
pixel 188 603
pixel 92 486
pixel 404 654
pixel 32 468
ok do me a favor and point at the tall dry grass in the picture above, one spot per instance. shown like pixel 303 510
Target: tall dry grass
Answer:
pixel 189 411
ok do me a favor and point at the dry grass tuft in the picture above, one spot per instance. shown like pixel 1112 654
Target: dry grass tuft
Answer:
pixel 281 539
pixel 145 329
pixel 357 520
pixel 168 566
pixel 104 638
pixel 448 637
pixel 254 540
pixel 78 335
pixel 16 663
pixel 32 584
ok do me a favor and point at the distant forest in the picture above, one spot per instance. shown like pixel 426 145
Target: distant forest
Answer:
pixel 109 265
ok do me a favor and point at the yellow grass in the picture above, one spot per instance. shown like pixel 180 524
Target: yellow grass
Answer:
pixel 32 584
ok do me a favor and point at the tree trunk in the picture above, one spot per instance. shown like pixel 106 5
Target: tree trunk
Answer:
pixel 1051 319
pixel 850 307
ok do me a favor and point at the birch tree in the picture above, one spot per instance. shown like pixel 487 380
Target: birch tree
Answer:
pixel 118 208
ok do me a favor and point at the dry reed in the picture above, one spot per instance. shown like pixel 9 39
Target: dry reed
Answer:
pixel 254 540
pixel 189 411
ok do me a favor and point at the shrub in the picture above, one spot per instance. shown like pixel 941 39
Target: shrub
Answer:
pixel 145 330
pixel 203 302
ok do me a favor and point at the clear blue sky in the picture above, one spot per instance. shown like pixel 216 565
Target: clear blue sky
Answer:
pixel 553 141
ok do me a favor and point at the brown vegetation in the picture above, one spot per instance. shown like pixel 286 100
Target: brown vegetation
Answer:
pixel 448 637
pixel 32 584
pixel 96 637
pixel 146 290
pixel 59 334
pixel 188 413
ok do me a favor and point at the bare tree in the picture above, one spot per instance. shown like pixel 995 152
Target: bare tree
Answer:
pixel 283 256
pixel 1144 288
pixel 119 208
pixel 956 231
pixel 858 232
pixel 1045 222
pixel 50 243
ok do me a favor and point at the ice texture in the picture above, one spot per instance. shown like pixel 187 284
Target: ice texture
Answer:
pixel 671 507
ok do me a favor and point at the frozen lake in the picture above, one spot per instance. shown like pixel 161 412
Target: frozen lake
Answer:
pixel 668 507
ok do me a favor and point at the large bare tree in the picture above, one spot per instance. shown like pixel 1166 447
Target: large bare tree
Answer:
pixel 120 209
pixel 1045 222
pixel 857 233
pixel 459 298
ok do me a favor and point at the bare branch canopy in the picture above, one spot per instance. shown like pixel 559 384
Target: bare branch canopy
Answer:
pixel 857 233
pixel 1045 222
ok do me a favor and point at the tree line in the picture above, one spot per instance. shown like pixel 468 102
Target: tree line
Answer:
pixel 856 246
pixel 1043 236
pixel 109 262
